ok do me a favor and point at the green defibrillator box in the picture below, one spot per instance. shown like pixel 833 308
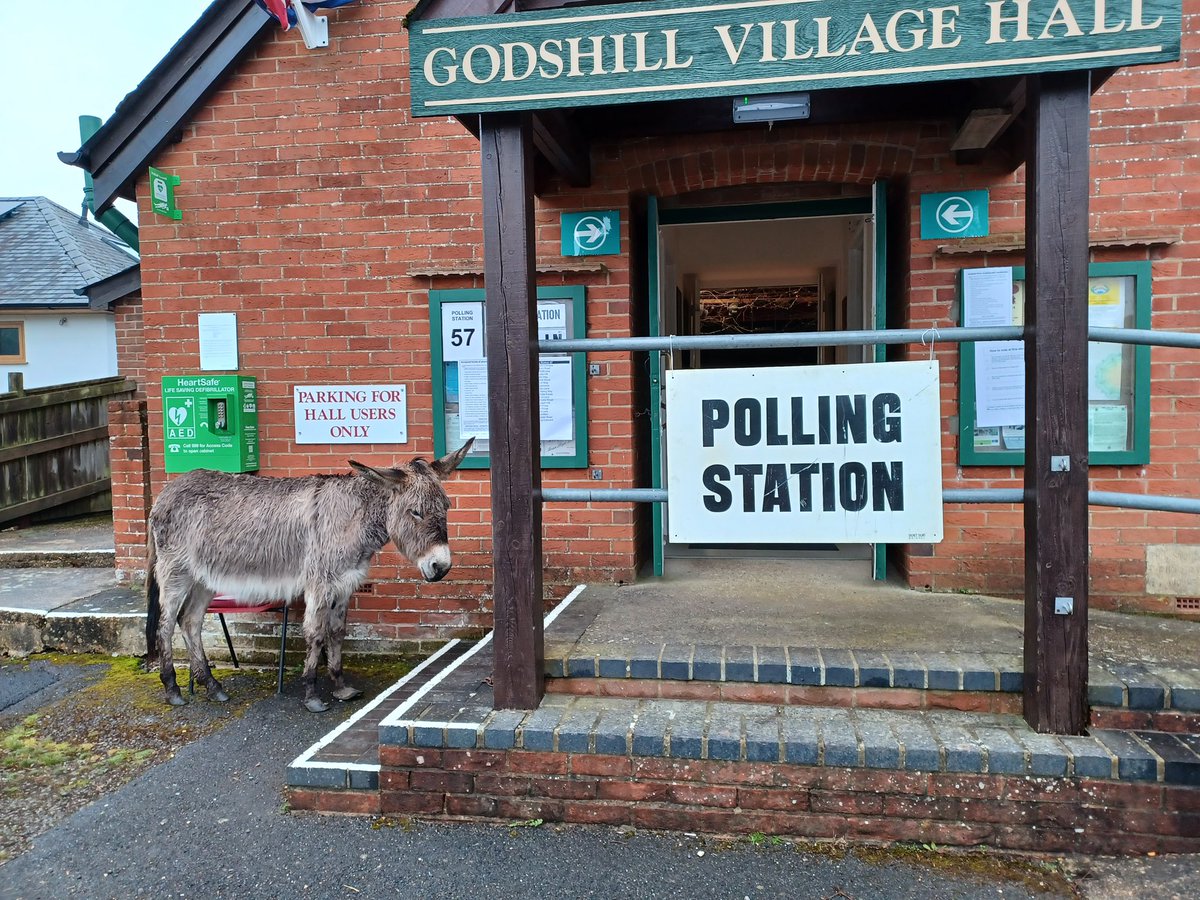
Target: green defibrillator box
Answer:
pixel 210 422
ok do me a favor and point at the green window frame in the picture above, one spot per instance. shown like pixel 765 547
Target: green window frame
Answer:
pixel 1138 451
pixel 575 298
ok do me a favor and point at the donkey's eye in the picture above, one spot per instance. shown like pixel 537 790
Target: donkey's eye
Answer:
pixel 416 514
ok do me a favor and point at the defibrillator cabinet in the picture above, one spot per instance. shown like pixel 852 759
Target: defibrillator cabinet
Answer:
pixel 210 422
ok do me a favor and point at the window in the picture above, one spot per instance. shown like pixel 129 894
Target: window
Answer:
pixel 1118 376
pixel 12 342
pixel 460 389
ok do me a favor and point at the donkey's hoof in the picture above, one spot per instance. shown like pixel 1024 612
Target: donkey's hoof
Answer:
pixel 219 696
pixel 175 699
pixel 316 705
pixel 347 692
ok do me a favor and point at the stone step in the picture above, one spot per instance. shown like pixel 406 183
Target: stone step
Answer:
pixel 57 559
pixel 77 610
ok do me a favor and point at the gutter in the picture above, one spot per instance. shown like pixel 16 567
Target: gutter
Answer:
pixel 111 218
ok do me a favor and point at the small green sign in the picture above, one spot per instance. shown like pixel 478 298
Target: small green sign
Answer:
pixel 162 194
pixel 959 214
pixel 595 233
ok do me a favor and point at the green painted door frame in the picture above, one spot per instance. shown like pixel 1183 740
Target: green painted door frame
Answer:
pixel 875 206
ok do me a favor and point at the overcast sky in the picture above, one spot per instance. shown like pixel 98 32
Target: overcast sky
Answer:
pixel 63 59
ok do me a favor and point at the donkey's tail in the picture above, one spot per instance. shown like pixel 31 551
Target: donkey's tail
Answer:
pixel 152 600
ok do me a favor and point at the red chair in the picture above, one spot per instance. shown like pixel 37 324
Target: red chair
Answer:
pixel 221 605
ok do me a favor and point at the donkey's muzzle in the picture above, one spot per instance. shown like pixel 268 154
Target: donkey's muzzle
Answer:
pixel 435 571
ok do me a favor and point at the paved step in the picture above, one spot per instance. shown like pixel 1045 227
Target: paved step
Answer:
pixel 79 543
pixel 813 673
pixel 79 610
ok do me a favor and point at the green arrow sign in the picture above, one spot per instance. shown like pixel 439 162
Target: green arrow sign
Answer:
pixel 591 233
pixel 960 214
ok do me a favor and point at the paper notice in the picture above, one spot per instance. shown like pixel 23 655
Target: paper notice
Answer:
pixel 472 398
pixel 554 388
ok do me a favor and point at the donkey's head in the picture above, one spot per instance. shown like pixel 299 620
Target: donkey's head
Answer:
pixel 416 509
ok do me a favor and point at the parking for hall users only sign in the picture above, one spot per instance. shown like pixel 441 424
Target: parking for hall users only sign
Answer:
pixel 809 454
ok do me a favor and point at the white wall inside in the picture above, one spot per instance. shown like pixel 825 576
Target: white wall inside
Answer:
pixel 62 347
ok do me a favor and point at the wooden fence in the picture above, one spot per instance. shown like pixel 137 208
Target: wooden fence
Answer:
pixel 54 449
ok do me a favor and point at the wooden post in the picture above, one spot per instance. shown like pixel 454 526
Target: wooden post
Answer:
pixel 513 429
pixel 1056 465
pixel 16 382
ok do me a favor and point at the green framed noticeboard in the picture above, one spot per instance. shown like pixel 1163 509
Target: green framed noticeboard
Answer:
pixel 460 389
pixel 991 374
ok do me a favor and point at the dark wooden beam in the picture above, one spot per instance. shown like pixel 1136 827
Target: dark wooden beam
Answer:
pixel 1056 463
pixel 562 145
pixel 506 148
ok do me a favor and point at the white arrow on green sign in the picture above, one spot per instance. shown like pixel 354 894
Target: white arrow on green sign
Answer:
pixel 960 214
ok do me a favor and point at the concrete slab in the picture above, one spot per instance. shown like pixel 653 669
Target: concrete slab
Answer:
pixel 92 533
pixel 43 590
pixel 833 604
pixel 80 543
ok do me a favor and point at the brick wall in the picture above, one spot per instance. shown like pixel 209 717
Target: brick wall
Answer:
pixel 310 195
pixel 1010 812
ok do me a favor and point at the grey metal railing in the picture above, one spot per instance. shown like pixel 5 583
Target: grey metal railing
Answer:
pixel 925 336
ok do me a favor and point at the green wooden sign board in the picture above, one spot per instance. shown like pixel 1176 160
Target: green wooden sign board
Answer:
pixel 675 49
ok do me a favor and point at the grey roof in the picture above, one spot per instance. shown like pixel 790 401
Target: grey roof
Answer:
pixel 47 254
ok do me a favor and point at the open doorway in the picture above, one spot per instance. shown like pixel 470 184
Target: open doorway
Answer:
pixel 773 269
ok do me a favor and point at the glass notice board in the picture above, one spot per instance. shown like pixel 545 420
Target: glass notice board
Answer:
pixel 992 374
pixel 460 385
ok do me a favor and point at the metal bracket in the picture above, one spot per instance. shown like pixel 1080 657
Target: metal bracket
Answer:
pixel 1060 464
pixel 597 474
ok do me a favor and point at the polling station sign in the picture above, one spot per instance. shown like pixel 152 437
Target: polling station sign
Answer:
pixel 805 454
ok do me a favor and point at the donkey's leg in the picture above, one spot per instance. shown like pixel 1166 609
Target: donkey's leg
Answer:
pixel 333 649
pixel 191 621
pixel 175 585
pixel 317 601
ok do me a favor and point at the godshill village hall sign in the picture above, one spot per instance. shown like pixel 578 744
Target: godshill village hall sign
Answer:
pixel 596 55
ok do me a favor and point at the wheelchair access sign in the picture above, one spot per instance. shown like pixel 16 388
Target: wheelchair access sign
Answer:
pixel 596 233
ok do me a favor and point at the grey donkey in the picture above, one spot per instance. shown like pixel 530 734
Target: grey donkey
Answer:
pixel 259 539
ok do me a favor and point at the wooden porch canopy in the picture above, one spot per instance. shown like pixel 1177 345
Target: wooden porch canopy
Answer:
pixel 1034 109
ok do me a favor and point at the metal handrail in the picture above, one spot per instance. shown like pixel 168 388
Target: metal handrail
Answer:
pixel 1156 502
pixel 1142 336
pixel 926 336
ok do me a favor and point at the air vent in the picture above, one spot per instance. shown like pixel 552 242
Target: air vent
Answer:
pixel 368 588
pixel 1187 604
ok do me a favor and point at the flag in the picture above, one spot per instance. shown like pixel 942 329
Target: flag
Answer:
pixel 281 10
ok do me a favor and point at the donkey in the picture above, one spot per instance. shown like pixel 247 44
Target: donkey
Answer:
pixel 260 539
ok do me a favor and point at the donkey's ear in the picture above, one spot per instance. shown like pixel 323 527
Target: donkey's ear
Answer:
pixel 448 463
pixel 385 477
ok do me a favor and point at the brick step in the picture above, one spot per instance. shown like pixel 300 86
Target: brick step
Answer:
pixel 852 678
pixel 790 695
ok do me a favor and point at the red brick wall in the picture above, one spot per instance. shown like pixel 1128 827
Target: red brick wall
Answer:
pixel 309 194
pixel 1025 813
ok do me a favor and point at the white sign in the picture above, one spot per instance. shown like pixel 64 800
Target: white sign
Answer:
pixel 351 413
pixel 552 320
pixel 999 365
pixel 554 398
pixel 218 342
pixel 462 331
pixel 805 454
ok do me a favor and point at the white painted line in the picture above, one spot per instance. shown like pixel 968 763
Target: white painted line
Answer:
pixel 395 717
pixel 303 758
pixel 17 609
pixel 57 614
pixel 357 767
pixel 567 601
